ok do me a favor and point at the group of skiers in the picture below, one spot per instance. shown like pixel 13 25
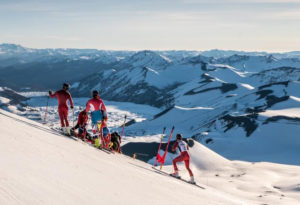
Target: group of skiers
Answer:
pixel 99 126
pixel 98 118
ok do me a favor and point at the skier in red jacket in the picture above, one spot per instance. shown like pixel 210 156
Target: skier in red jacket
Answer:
pixel 82 119
pixel 63 96
pixel 81 125
pixel 184 156
pixel 98 115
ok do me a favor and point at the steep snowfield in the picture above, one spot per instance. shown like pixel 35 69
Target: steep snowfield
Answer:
pixel 39 166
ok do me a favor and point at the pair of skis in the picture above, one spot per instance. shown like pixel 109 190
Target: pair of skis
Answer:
pixel 161 159
pixel 179 178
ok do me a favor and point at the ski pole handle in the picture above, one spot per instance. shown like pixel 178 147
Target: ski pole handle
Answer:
pixel 163 134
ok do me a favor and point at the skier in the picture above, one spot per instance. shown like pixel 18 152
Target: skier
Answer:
pixel 63 96
pixel 81 125
pixel 184 156
pixel 99 116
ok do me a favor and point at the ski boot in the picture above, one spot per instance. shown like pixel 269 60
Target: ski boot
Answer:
pixel 175 174
pixel 192 180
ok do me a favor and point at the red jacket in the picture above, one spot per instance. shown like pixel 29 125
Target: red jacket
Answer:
pixel 63 96
pixel 180 144
pixel 95 104
pixel 82 118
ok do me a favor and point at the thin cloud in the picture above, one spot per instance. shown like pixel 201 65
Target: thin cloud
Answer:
pixel 62 38
pixel 26 7
pixel 288 15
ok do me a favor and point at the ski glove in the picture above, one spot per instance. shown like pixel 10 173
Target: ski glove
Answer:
pixel 50 92
pixel 72 107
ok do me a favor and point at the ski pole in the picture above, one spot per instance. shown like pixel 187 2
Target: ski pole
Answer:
pixel 165 154
pixel 103 144
pixel 46 112
pixel 119 148
pixel 87 127
pixel 73 116
pixel 161 139
pixel 123 127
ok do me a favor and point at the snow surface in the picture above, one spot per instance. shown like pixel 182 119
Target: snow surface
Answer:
pixel 4 100
pixel 247 86
pixel 291 112
pixel 33 94
pixel 42 167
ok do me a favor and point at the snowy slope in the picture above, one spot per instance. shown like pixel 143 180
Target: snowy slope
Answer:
pixel 55 169
pixel 41 167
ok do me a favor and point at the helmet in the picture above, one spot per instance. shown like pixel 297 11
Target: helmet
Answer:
pixel 95 93
pixel 179 136
pixel 66 86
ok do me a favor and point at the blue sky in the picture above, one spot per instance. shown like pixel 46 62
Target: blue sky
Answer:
pixel 251 25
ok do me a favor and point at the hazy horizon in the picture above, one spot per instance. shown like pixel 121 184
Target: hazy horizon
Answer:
pixel 1 43
pixel 242 25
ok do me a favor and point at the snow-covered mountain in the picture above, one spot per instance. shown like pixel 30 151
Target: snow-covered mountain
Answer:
pixel 230 103
pixel 235 118
pixel 51 67
pixel 11 100
pixel 151 78
pixel 11 54
pixel 258 63
pixel 227 53
pixel 225 106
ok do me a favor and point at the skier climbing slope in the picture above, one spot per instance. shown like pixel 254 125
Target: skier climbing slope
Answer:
pixel 63 96
pixel 184 156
